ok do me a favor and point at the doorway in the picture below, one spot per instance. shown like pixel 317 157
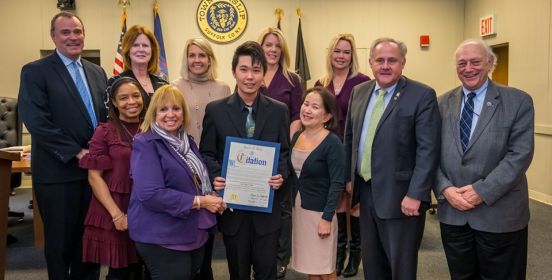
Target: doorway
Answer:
pixel 500 73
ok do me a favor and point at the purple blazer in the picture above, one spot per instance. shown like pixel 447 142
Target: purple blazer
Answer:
pixel 289 94
pixel 342 100
pixel 160 210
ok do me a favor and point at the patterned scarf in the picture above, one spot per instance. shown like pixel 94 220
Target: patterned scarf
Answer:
pixel 180 143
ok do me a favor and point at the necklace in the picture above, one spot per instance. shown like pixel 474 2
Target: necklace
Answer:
pixel 128 134
pixel 196 100
pixel 338 85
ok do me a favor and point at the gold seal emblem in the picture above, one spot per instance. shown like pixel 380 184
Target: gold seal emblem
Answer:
pixel 222 21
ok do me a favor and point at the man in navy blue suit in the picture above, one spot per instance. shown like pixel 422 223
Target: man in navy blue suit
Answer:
pixel 60 102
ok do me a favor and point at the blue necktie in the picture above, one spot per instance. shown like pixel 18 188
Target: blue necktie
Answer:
pixel 249 123
pixel 466 121
pixel 84 94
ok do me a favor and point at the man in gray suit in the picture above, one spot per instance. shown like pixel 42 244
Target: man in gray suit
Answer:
pixel 487 146
pixel 392 150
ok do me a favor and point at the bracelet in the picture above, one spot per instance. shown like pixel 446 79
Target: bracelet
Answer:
pixel 118 217
pixel 198 202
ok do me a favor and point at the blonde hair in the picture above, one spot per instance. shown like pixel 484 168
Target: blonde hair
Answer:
pixel 353 66
pixel 204 46
pixel 163 95
pixel 128 41
pixel 284 57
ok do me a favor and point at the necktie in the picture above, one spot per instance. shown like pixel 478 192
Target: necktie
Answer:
pixel 84 94
pixel 466 121
pixel 377 112
pixel 249 122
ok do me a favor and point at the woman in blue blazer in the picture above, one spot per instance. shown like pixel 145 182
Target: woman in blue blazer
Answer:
pixel 318 161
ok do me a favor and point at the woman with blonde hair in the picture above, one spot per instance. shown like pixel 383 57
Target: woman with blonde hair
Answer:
pixel 285 86
pixel 172 203
pixel 140 52
pixel 198 82
pixel 342 74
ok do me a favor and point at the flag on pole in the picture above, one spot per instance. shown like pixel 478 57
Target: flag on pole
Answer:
pixel 279 14
pixel 301 63
pixel 158 32
pixel 118 65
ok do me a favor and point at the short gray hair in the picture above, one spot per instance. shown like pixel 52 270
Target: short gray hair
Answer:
pixel 490 55
pixel 400 44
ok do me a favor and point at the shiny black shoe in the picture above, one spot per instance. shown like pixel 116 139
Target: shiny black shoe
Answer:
pixel 281 272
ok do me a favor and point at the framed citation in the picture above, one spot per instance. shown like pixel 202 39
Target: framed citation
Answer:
pixel 247 166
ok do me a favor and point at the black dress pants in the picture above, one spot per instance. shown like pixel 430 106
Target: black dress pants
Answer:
pixel 389 246
pixel 63 207
pixel 473 254
pixel 167 264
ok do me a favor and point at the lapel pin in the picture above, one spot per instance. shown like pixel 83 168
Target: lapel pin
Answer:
pixel 397 95
pixel 489 104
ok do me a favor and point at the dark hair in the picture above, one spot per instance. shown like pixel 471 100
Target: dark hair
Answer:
pixel 113 85
pixel 64 14
pixel 329 104
pixel 253 50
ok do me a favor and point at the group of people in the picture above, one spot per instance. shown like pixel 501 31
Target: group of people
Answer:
pixel 127 171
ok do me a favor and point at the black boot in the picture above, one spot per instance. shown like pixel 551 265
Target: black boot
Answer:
pixel 341 242
pixel 354 249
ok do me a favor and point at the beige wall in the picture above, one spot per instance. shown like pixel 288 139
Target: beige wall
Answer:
pixel 322 19
pixel 24 28
pixel 526 28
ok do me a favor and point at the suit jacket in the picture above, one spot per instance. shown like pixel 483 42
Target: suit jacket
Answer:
pixel 224 118
pixel 406 145
pixel 160 210
pixel 55 115
pixel 495 161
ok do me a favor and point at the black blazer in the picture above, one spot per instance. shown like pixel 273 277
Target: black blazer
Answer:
pixel 54 113
pixel 406 146
pixel 156 82
pixel 322 176
pixel 224 118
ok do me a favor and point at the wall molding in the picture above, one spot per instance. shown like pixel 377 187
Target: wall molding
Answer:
pixel 541 197
pixel 543 129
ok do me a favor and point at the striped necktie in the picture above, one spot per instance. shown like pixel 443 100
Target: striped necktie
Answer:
pixel 466 121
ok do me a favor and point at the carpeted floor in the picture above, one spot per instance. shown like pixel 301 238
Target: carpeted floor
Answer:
pixel 23 261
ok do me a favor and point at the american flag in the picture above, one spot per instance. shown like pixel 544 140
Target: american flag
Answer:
pixel 118 64
pixel 158 32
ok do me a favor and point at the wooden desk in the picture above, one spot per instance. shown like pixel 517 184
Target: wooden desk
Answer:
pixel 5 176
pixel 24 165
pixel 21 166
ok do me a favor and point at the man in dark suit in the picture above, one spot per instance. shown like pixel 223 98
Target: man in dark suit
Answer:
pixel 250 237
pixel 392 147
pixel 60 102
pixel 487 140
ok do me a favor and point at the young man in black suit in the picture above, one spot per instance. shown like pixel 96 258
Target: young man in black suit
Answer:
pixel 61 102
pixel 229 117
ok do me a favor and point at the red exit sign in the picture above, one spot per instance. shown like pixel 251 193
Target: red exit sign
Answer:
pixel 487 26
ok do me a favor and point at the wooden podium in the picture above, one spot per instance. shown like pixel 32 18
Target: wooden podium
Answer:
pixel 6 159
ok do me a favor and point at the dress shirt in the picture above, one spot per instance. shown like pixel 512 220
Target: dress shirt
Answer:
pixel 478 100
pixel 67 62
pixel 368 115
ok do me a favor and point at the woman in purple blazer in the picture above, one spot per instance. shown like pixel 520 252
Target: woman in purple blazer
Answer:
pixel 172 202
pixel 342 74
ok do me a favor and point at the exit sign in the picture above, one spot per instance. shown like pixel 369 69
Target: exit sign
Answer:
pixel 487 26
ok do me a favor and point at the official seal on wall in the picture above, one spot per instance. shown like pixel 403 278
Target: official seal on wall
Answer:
pixel 222 21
